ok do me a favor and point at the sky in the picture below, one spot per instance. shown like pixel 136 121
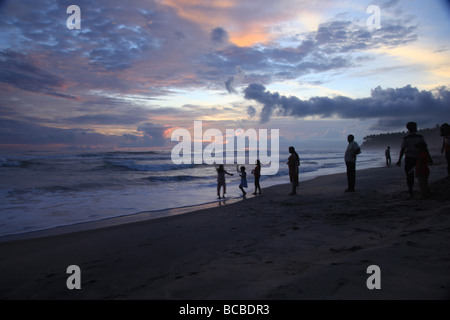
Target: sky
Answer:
pixel 137 70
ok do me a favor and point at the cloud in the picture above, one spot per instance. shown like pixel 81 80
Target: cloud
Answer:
pixel 126 46
pixel 341 36
pixel 21 73
pixel 129 53
pixel 154 134
pixel 16 132
pixel 238 77
pixel 249 19
pixel 106 119
pixel 388 106
pixel 219 36
pixel 152 45
pixel 251 111
pixel 229 85
pixel 335 45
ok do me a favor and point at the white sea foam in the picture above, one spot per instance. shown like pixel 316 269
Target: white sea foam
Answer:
pixel 45 190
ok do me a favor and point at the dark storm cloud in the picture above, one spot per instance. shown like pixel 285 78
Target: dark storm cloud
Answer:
pixel 219 36
pixel 107 119
pixel 154 134
pixel 388 106
pixel 229 85
pixel 16 132
pixel 23 132
pixel 251 111
pixel 23 74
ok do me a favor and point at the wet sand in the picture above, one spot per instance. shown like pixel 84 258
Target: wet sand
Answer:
pixel 315 245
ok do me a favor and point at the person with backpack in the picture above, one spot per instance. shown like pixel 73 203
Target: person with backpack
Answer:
pixel 408 149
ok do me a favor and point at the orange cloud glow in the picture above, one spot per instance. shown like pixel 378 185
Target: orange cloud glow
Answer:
pixel 222 13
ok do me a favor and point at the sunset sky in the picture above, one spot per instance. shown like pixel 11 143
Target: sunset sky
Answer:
pixel 138 69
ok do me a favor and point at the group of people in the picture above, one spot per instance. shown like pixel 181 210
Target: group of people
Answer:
pixel 417 158
pixel 293 164
pixel 413 148
pixel 221 184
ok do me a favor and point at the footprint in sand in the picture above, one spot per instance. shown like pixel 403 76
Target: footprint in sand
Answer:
pixel 50 275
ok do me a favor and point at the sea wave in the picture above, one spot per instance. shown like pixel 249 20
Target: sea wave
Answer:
pixel 11 163
pixel 57 189
pixel 173 178
pixel 135 166
pixel 114 153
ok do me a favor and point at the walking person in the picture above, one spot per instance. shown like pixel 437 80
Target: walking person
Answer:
pixel 351 152
pixel 408 149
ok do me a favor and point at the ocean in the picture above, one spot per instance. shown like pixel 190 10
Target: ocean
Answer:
pixel 44 190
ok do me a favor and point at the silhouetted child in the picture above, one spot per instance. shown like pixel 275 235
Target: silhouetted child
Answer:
pixel 387 153
pixel 243 176
pixel 422 170
pixel 257 173
pixel 221 180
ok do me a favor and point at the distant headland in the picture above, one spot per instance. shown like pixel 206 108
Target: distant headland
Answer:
pixel 394 139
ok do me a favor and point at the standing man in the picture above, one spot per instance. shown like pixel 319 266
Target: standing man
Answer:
pixel 387 153
pixel 293 164
pixel 408 149
pixel 350 161
pixel 445 132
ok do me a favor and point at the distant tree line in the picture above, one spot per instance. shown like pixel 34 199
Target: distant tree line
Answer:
pixel 394 139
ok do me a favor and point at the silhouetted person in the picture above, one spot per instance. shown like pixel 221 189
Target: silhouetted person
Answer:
pixel 352 151
pixel 387 153
pixel 408 149
pixel 243 183
pixel 422 170
pixel 445 132
pixel 221 180
pixel 293 164
pixel 257 173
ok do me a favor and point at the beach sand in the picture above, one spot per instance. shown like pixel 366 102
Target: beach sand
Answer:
pixel 315 245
